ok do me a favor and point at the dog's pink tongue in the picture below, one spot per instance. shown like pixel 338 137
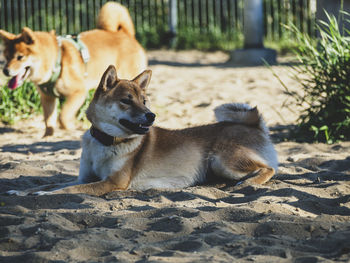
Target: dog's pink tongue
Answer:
pixel 13 83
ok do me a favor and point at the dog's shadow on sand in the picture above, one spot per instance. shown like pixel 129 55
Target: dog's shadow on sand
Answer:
pixel 301 200
pixel 7 129
pixel 25 182
pixel 40 147
pixel 327 176
pixel 305 201
pixel 330 174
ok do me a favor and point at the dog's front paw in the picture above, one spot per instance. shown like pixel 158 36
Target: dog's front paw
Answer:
pixel 16 192
pixel 42 193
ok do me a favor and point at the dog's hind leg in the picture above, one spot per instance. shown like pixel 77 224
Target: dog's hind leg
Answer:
pixel 70 107
pixel 50 112
pixel 260 176
pixel 242 166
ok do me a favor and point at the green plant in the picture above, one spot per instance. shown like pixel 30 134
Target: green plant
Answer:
pixel 214 39
pixel 18 104
pixel 24 101
pixel 284 46
pixel 324 75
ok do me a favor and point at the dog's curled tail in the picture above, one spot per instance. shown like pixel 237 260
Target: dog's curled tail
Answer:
pixel 114 17
pixel 240 113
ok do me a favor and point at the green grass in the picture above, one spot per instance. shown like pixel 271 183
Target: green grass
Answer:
pixel 24 102
pixel 214 39
pixel 324 75
pixel 208 41
pixel 284 46
pixel 18 104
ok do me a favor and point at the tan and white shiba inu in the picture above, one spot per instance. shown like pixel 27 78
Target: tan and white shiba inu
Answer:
pixel 122 150
pixel 42 57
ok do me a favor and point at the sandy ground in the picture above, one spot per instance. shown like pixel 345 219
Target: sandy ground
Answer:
pixel 301 215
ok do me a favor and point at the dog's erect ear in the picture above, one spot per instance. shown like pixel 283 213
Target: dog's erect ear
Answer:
pixel 108 78
pixel 28 35
pixel 6 36
pixel 143 79
pixel 53 32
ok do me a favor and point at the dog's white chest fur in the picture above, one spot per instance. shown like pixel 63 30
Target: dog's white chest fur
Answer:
pixel 101 161
pixel 106 162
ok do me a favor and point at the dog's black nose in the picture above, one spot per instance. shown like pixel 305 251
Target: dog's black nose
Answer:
pixel 6 72
pixel 150 116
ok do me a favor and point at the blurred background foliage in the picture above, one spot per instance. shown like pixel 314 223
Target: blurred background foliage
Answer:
pixel 202 24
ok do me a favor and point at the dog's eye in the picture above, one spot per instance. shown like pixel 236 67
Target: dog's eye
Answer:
pixel 144 102
pixel 126 101
pixel 19 57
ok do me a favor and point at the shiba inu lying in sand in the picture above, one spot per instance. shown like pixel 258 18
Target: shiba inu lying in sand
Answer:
pixel 64 68
pixel 122 150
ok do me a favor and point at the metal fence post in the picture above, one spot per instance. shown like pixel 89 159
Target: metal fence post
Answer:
pixel 172 21
pixel 253 51
pixel 253 29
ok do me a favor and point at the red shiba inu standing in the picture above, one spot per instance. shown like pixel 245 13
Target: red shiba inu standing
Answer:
pixel 122 150
pixel 63 68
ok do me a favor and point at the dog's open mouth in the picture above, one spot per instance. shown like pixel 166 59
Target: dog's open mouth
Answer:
pixel 138 128
pixel 19 78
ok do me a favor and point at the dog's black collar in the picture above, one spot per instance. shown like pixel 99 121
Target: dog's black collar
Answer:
pixel 105 139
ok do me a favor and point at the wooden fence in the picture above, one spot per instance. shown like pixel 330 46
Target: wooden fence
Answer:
pixel 222 16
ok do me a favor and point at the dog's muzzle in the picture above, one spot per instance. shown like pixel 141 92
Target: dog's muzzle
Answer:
pixel 139 128
pixel 18 79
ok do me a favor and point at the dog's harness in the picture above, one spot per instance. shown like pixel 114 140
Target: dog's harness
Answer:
pixel 49 87
pixel 105 139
